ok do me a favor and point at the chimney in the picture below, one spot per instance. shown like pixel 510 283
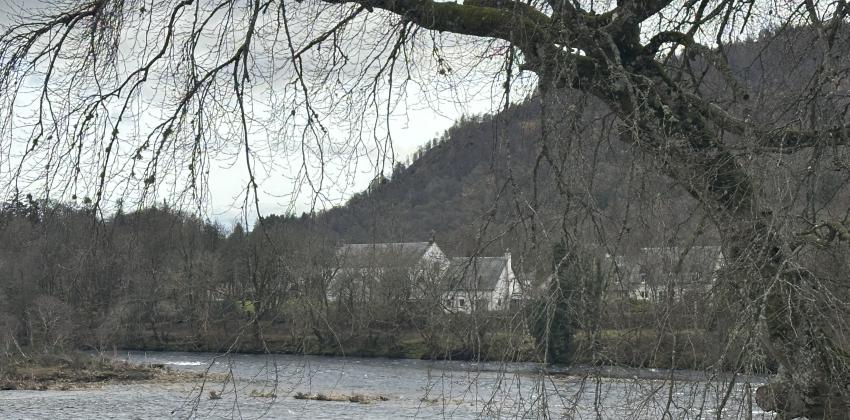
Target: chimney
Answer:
pixel 433 237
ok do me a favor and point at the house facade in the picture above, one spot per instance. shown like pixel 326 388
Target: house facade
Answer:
pixel 658 274
pixel 401 270
pixel 415 271
pixel 480 284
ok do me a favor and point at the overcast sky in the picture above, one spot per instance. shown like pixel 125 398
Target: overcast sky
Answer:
pixel 228 180
pixel 472 87
pixel 415 119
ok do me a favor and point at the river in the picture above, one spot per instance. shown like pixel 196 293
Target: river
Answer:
pixel 413 389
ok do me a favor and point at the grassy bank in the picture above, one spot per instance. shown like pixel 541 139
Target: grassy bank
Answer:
pixel 638 348
pixel 692 349
pixel 496 347
pixel 79 370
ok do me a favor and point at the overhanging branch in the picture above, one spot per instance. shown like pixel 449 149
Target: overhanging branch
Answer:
pixel 520 29
pixel 780 140
pixel 791 141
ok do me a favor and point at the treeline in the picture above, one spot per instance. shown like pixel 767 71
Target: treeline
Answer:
pixel 162 279
pixel 159 278
pixel 69 280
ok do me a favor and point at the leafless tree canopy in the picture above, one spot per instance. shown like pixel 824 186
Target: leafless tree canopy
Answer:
pixel 130 97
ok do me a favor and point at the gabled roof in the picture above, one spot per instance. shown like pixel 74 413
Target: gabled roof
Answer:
pixel 475 273
pixel 678 259
pixel 386 255
pixel 696 263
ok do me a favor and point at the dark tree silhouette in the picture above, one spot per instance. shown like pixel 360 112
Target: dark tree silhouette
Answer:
pixel 108 97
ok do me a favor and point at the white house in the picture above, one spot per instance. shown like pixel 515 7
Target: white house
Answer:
pixel 480 283
pixel 657 274
pixel 402 268
pixel 421 270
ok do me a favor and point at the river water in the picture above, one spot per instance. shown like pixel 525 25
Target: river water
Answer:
pixel 413 389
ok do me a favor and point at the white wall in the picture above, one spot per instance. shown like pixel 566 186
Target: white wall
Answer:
pixel 464 302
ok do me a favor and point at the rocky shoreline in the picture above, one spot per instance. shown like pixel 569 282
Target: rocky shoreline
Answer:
pixel 79 371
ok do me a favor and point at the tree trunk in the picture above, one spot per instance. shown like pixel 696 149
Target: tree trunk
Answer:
pixel 686 146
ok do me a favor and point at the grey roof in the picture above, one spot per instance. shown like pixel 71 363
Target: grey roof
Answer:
pixel 689 264
pixel 386 255
pixel 475 273
pixel 686 266
pixel 678 259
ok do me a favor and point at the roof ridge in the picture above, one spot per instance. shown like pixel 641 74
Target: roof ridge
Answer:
pixel 680 246
pixel 387 243
pixel 496 256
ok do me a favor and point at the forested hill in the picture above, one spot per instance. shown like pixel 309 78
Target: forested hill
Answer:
pixel 474 188
pixel 451 187
pixel 488 185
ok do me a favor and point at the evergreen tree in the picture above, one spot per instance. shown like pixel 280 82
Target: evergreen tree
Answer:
pixel 572 302
pixel 552 327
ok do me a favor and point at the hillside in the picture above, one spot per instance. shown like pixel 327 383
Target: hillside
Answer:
pixel 492 183
pixel 497 182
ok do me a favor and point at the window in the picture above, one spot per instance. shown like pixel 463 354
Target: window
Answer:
pixel 462 302
pixel 499 302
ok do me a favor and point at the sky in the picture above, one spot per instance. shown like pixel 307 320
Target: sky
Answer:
pixel 437 79
pixel 413 112
pixel 409 132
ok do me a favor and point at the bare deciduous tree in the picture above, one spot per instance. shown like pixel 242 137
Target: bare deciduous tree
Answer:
pixel 209 75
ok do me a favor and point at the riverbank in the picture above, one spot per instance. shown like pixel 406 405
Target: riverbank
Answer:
pixel 637 348
pixel 280 386
pixel 494 347
pixel 80 370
